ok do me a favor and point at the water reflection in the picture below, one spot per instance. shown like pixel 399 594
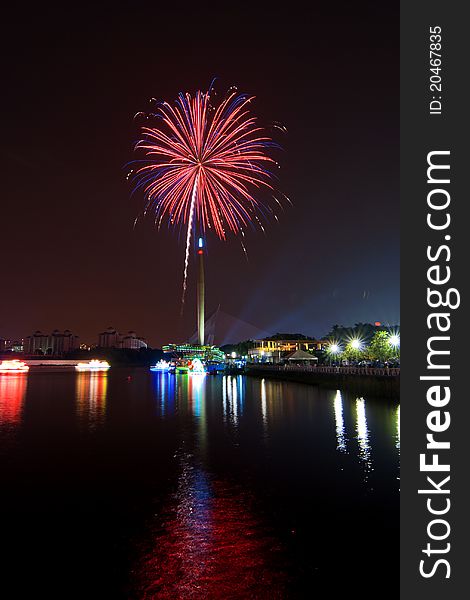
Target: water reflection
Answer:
pixel 232 399
pixel 197 393
pixel 182 393
pixel 363 433
pixel 196 396
pixel 210 398
pixel 184 402
pixel 397 443
pixel 340 430
pixel 206 487
pixel 90 395
pixel 163 391
pixel 12 394
pixel 208 543
pixel 264 408
pixel 164 385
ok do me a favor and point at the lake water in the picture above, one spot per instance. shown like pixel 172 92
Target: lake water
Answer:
pixel 131 484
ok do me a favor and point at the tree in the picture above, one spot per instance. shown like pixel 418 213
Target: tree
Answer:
pixel 381 349
pixel 353 354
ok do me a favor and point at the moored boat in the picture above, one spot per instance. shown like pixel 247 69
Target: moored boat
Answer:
pixel 93 365
pixel 13 366
pixel 161 366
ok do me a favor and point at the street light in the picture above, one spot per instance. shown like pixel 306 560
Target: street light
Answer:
pixel 333 349
pixel 394 340
pixel 356 344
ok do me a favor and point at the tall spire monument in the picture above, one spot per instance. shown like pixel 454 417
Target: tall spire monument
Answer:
pixel 200 291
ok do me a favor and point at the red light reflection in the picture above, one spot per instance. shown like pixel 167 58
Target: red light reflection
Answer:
pixel 12 393
pixel 209 544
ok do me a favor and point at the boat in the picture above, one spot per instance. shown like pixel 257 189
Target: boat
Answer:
pixel 13 366
pixel 162 366
pixel 93 365
pixel 193 366
pixel 197 367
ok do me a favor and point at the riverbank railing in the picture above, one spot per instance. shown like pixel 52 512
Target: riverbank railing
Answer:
pixel 369 371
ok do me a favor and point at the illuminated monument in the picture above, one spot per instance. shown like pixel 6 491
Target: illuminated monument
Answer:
pixel 200 292
pixel 185 357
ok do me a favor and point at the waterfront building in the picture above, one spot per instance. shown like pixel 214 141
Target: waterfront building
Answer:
pixel 132 341
pixel 38 343
pixel 61 343
pixel 276 350
pixel 55 344
pixel 111 338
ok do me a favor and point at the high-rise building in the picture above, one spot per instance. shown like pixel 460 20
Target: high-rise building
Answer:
pixel 38 343
pixel 63 342
pixel 56 344
pixel 111 338
pixel 132 341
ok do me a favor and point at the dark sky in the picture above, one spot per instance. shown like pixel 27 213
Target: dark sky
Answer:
pixel 73 79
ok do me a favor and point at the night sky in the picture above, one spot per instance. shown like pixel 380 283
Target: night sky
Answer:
pixel 73 79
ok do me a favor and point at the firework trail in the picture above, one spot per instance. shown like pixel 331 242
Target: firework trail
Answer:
pixel 188 241
pixel 204 166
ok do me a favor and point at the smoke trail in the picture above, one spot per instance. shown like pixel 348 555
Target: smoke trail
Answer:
pixel 188 242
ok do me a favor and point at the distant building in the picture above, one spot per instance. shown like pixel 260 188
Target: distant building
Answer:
pixel 274 350
pixel 56 344
pixel 132 341
pixel 38 343
pixel 11 345
pixel 63 342
pixel 111 338
pixel 16 346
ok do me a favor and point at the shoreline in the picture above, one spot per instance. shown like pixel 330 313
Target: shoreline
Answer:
pixel 368 384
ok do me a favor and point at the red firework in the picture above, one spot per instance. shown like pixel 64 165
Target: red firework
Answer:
pixel 205 165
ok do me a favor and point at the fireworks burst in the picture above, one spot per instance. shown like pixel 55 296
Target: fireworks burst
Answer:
pixel 205 165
